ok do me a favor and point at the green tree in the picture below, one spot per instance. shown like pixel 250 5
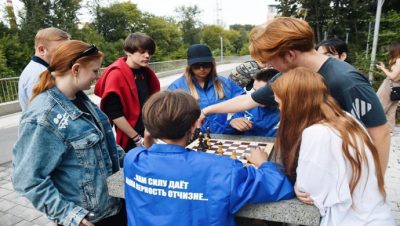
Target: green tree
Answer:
pixel 189 22
pixel 5 71
pixel 34 16
pixel 118 20
pixel 234 42
pixel 17 53
pixel 167 36
pixel 241 27
pixel 210 35
pixel 241 45
pixel 288 7
pixel 64 15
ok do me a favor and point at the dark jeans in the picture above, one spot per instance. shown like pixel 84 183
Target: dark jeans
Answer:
pixel 120 219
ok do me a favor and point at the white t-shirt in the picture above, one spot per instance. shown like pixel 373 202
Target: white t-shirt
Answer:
pixel 325 173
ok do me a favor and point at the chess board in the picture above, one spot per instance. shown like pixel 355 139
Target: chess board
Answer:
pixel 241 147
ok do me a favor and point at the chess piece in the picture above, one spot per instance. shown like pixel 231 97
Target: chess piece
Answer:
pixel 208 131
pixel 234 154
pixel 208 142
pixel 220 151
pixel 201 141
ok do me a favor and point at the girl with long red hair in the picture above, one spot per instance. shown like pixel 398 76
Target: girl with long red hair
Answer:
pixel 328 153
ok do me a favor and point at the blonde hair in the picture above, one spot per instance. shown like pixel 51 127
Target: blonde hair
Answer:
pixel 60 63
pixel 279 36
pixel 305 100
pixel 213 74
pixel 43 36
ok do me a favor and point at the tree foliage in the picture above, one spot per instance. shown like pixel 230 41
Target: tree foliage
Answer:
pixel 118 20
pixel 166 34
pixel 189 22
pixel 113 22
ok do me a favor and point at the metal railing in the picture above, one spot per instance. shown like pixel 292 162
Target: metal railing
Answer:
pixel 8 89
pixel 9 86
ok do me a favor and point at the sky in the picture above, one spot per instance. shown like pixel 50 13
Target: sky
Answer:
pixel 232 11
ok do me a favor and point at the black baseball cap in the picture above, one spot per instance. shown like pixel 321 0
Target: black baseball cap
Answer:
pixel 199 53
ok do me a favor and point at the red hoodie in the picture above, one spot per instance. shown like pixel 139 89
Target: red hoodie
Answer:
pixel 118 78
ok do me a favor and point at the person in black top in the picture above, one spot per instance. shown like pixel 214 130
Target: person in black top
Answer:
pixel 125 86
pixel 287 43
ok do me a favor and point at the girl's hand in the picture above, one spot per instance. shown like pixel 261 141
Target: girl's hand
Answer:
pixel 381 66
pixel 303 196
pixel 257 157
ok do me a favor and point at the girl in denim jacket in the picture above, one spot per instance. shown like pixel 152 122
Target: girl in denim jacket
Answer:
pixel 66 148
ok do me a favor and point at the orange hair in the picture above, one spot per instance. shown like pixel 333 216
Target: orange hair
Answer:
pixel 305 100
pixel 60 63
pixel 279 36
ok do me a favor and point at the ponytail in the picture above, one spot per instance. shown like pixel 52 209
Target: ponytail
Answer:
pixel 46 81
pixel 67 53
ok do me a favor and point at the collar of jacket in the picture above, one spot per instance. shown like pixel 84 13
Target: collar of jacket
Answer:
pixel 167 148
pixel 65 103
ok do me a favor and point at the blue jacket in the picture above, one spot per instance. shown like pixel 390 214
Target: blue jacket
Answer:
pixel 169 185
pixel 265 121
pixel 61 159
pixel 208 96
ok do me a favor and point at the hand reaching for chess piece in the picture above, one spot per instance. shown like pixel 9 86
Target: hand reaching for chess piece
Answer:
pixel 257 157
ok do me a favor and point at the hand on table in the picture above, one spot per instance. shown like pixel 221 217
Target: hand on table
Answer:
pixel 241 124
pixel 257 157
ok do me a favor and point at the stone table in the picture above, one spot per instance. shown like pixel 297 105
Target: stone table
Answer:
pixel 288 211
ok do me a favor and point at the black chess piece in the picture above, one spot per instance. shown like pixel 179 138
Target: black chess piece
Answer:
pixel 201 142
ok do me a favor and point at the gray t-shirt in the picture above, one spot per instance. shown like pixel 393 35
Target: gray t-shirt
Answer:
pixel 348 86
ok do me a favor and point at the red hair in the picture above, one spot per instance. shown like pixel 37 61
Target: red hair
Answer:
pixel 279 36
pixel 305 100
pixel 60 63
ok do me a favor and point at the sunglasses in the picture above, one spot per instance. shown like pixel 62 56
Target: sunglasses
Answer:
pixel 197 66
pixel 92 49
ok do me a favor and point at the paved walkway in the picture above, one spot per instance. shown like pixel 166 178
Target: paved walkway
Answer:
pixel 16 210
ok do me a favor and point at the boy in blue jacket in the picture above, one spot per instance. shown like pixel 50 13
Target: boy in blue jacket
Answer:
pixel 168 184
pixel 261 120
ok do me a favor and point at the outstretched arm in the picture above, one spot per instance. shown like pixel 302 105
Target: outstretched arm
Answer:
pixel 236 104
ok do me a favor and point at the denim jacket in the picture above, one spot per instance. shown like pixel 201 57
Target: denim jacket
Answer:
pixel 61 159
